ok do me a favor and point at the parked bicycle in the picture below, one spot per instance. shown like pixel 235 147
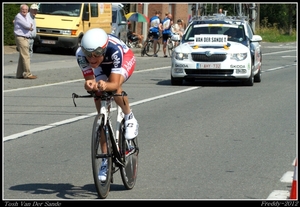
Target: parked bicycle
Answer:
pixel 148 47
pixel 121 154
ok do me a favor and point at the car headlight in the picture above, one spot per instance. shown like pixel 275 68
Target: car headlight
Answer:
pixel 181 56
pixel 238 56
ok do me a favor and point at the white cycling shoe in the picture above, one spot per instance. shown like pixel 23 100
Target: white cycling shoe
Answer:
pixel 103 170
pixel 131 128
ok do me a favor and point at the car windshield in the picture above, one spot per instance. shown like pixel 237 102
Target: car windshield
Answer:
pixel 60 9
pixel 235 33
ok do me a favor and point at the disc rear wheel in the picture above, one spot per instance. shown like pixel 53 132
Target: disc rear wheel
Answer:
pixel 129 151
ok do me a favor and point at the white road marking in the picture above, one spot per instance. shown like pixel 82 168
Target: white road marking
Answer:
pixel 287 177
pixel 67 121
pixel 279 195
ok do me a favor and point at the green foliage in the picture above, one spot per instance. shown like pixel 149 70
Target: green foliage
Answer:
pixel 9 13
pixel 272 34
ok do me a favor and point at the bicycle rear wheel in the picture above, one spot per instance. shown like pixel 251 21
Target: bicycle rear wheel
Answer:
pixel 97 155
pixel 129 151
pixel 149 48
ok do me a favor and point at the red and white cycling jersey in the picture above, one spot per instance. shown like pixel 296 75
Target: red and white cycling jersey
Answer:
pixel 118 59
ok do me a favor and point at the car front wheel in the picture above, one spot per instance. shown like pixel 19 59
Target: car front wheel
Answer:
pixel 257 77
pixel 176 81
pixel 250 81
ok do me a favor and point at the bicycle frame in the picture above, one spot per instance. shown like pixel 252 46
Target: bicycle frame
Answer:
pixel 106 105
pixel 121 154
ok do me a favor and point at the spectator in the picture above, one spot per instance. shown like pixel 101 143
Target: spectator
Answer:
pixel 132 35
pixel 154 30
pixel 178 29
pixel 22 31
pixel 31 15
pixel 165 27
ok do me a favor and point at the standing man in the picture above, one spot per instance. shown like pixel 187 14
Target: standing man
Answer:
pixel 31 15
pixel 154 29
pixel 165 26
pixel 22 30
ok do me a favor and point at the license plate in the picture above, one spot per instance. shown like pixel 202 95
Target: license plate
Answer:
pixel 50 42
pixel 210 66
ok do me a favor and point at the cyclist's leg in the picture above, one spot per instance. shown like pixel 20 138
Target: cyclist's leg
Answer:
pixel 102 140
pixel 155 40
pixel 165 39
pixel 127 69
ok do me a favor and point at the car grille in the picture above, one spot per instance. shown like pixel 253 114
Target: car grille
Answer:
pixel 212 58
pixel 208 72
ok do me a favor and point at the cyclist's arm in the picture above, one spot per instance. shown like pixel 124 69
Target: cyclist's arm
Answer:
pixel 114 82
pixel 90 83
pixel 87 71
pixel 160 26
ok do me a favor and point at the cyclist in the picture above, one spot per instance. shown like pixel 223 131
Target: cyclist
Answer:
pixel 106 63
pixel 165 27
pixel 154 29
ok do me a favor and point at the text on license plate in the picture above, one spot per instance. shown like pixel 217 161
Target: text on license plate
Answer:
pixel 214 66
pixel 51 42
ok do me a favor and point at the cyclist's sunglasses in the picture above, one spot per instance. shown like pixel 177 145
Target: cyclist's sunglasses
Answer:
pixel 95 53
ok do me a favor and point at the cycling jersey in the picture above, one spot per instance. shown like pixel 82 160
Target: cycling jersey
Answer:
pixel 118 59
pixel 154 22
pixel 166 23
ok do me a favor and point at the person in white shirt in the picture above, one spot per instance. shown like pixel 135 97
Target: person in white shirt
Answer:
pixel 31 15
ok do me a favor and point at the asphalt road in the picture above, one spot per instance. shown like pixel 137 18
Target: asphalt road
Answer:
pixel 199 141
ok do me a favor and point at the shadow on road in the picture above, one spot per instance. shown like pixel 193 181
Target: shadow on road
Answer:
pixel 62 190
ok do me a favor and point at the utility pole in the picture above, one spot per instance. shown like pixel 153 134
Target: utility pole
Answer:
pixel 145 26
pixel 252 16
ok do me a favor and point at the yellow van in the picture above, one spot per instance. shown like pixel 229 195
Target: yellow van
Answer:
pixel 61 25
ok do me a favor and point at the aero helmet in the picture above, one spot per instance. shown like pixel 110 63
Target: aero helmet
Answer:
pixel 94 42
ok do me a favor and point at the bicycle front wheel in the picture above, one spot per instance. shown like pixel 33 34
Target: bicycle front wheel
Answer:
pixel 98 154
pixel 129 151
pixel 149 48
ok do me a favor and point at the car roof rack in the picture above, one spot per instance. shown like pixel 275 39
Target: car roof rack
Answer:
pixel 220 17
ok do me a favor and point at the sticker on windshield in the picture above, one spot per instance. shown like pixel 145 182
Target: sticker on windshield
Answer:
pixel 212 40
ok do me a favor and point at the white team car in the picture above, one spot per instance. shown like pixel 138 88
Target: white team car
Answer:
pixel 217 48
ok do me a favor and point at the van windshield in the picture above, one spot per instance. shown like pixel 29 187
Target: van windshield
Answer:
pixel 60 9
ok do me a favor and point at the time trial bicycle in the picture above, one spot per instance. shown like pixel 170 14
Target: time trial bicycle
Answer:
pixel 121 153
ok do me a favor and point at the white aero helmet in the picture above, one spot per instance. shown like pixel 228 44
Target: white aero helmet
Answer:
pixel 94 42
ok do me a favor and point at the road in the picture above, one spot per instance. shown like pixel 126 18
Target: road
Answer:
pixel 210 141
